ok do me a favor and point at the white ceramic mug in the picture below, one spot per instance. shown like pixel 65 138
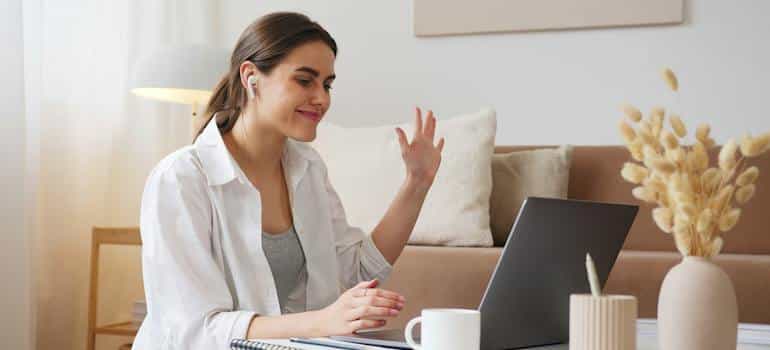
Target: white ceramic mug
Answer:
pixel 446 329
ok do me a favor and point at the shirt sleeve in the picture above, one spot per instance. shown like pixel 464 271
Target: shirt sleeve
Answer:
pixel 358 256
pixel 185 288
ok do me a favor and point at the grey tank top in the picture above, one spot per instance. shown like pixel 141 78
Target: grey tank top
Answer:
pixel 287 262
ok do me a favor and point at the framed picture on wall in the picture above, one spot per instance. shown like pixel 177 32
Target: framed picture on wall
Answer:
pixel 442 17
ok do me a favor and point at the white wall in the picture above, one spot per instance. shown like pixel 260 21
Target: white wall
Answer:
pixel 547 87
pixel 15 241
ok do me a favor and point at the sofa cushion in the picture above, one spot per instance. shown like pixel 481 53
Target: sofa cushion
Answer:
pixel 366 169
pixel 518 175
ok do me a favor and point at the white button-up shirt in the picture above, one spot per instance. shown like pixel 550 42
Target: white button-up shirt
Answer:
pixel 205 273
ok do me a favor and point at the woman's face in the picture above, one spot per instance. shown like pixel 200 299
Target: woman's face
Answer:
pixel 294 97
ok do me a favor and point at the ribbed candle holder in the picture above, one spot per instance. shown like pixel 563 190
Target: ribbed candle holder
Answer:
pixel 607 322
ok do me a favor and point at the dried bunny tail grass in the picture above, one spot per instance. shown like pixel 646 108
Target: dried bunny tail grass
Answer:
pixel 752 147
pixel 657 115
pixel 765 140
pixel 701 157
pixel 745 193
pixel 715 247
pixel 710 180
pixel 632 113
pixel 676 155
pixel 702 133
pixel 705 220
pixel 664 200
pixel 627 132
pixel 722 198
pixel 748 176
pixel 655 183
pixel 635 149
pixel 729 219
pixel 709 143
pixel 678 126
pixel 650 151
pixel 670 78
pixel 650 155
pixel 664 218
pixel 681 223
pixel 683 242
pixel 679 182
pixel 663 166
pixel 644 194
pixel 669 140
pixel 645 134
pixel 727 155
pixel 686 212
pixel 634 173
pixel 644 125
pixel 684 199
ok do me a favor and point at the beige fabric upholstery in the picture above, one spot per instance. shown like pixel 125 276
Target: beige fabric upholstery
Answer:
pixel 595 175
pixel 440 277
pixel 457 277
pixel 518 175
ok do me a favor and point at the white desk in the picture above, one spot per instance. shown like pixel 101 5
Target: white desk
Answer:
pixel 750 337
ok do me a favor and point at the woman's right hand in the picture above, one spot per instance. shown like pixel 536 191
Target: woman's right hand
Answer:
pixel 360 307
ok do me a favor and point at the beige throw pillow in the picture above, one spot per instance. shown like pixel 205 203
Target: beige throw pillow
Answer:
pixel 366 169
pixel 518 175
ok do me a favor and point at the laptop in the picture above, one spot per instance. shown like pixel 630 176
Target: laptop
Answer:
pixel 526 303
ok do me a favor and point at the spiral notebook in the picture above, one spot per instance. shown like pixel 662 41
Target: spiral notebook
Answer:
pixel 245 344
pixel 296 344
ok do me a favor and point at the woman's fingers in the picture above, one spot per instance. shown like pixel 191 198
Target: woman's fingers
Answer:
pixel 364 324
pixel 440 145
pixel 382 293
pixel 378 301
pixel 402 139
pixel 369 312
pixel 430 126
pixel 418 122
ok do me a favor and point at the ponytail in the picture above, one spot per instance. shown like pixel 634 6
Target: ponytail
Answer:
pixel 220 104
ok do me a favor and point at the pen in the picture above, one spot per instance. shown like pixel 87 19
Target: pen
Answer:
pixel 329 343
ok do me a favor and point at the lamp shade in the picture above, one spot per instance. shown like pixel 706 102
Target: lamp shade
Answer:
pixel 180 74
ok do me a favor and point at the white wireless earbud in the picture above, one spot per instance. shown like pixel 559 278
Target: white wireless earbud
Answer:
pixel 250 89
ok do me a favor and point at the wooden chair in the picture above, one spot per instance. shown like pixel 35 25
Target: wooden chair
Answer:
pixel 99 237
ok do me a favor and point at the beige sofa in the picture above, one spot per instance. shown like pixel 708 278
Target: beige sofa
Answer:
pixel 430 276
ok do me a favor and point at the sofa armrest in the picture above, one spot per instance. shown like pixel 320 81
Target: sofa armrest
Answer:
pixel 443 277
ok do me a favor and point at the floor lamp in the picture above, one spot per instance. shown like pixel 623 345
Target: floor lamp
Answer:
pixel 179 74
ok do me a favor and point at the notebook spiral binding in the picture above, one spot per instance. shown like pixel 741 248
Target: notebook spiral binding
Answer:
pixel 245 344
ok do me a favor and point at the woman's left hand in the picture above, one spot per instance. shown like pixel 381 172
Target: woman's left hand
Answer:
pixel 421 157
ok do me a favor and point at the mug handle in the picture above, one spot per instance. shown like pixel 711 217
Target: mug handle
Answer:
pixel 408 332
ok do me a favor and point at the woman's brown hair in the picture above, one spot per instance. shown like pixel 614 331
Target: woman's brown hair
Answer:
pixel 265 43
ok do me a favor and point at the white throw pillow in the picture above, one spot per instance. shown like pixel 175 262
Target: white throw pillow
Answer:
pixel 366 169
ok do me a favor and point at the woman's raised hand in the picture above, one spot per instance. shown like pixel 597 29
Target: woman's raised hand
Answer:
pixel 421 157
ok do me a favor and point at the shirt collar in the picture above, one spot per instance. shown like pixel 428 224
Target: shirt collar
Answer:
pixel 220 167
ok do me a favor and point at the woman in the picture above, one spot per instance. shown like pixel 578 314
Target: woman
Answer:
pixel 243 234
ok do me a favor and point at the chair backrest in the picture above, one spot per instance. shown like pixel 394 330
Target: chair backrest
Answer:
pixel 99 237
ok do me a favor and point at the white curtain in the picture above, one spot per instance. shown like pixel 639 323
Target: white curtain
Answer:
pixel 96 144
